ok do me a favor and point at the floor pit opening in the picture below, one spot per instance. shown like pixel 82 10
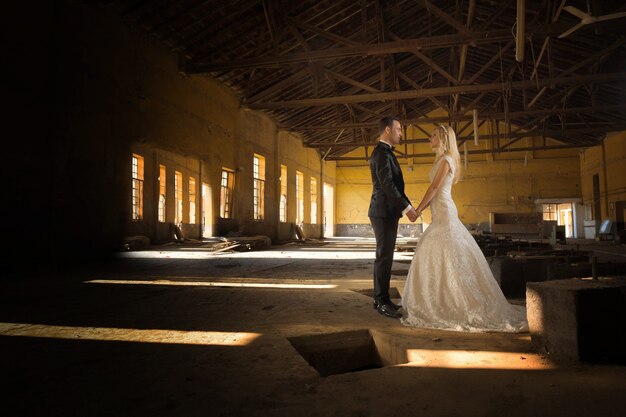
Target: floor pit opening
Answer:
pixel 339 353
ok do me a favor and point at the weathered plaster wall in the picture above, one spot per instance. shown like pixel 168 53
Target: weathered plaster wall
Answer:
pixel 498 182
pixel 609 163
pixel 296 157
pixel 111 90
pixel 120 92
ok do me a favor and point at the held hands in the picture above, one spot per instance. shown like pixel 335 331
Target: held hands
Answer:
pixel 412 215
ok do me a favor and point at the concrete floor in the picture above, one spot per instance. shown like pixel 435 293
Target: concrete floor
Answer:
pixel 182 331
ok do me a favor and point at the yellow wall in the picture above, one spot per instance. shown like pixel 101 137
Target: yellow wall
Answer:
pixel 609 162
pixel 505 182
pixel 121 91
pixel 295 156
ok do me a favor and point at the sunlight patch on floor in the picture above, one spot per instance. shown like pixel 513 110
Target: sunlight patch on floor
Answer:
pixel 183 337
pixel 463 359
pixel 283 254
pixel 220 284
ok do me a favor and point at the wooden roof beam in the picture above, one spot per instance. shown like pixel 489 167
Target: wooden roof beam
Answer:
pixel 407 45
pixel 321 32
pixel 472 152
pixel 552 133
pixel 438 91
pixel 352 82
pixel 430 7
pixel 462 117
pixel 595 57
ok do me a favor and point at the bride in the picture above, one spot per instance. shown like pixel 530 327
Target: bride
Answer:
pixel 450 285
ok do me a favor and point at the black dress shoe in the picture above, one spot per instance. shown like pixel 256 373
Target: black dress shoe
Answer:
pixel 395 306
pixel 389 311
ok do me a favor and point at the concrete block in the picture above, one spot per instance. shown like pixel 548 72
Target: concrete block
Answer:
pixel 583 269
pixel 579 319
pixel 512 273
pixel 490 245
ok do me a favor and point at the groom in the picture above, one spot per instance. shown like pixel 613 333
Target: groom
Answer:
pixel 387 206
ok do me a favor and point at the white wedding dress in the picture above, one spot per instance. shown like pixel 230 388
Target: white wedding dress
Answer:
pixel 450 285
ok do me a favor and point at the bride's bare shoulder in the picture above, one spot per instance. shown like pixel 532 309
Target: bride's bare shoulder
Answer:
pixel 450 160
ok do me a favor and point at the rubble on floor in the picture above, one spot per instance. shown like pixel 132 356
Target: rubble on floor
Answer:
pixel 135 243
pixel 242 244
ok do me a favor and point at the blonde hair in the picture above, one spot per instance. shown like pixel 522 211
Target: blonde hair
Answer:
pixel 448 146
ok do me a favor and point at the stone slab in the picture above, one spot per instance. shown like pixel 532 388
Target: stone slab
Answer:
pixel 579 319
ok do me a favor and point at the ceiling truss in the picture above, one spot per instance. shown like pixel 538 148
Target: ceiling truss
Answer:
pixel 329 70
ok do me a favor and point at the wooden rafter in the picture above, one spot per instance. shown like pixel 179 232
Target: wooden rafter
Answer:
pixel 553 133
pixel 460 117
pixel 369 58
pixel 439 91
pixel 392 47
pixel 430 7
pixel 472 152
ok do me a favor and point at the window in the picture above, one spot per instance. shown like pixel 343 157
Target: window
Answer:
pixel 299 197
pixel 192 200
pixel 313 200
pixel 137 187
pixel 178 197
pixel 549 211
pixel 259 186
pixel 562 213
pixel 226 193
pixel 162 191
pixel 283 193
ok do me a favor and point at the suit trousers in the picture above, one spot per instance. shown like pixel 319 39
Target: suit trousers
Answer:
pixel 385 231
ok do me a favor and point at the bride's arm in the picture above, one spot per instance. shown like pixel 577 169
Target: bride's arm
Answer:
pixel 442 171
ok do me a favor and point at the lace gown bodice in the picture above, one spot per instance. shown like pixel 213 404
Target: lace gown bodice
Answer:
pixel 450 285
pixel 442 207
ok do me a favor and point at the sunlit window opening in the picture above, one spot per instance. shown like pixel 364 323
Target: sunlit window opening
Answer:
pixel 562 214
pixel 192 200
pixel 299 197
pixel 162 192
pixel 226 193
pixel 313 200
pixel 178 197
pixel 283 193
pixel 259 186
pixel 137 187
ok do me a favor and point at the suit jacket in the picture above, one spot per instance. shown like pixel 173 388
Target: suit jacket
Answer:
pixel 388 198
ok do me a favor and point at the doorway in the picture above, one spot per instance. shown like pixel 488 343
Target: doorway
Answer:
pixel 562 213
pixel 207 211
pixel 565 218
pixel 597 216
pixel 329 211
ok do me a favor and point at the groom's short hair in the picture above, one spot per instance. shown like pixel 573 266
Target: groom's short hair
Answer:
pixel 386 121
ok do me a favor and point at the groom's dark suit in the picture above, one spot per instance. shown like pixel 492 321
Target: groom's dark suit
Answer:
pixel 386 207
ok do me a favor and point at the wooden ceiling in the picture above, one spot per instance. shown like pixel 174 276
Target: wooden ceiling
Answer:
pixel 329 69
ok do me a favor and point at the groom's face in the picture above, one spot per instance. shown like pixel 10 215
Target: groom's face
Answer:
pixel 395 135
